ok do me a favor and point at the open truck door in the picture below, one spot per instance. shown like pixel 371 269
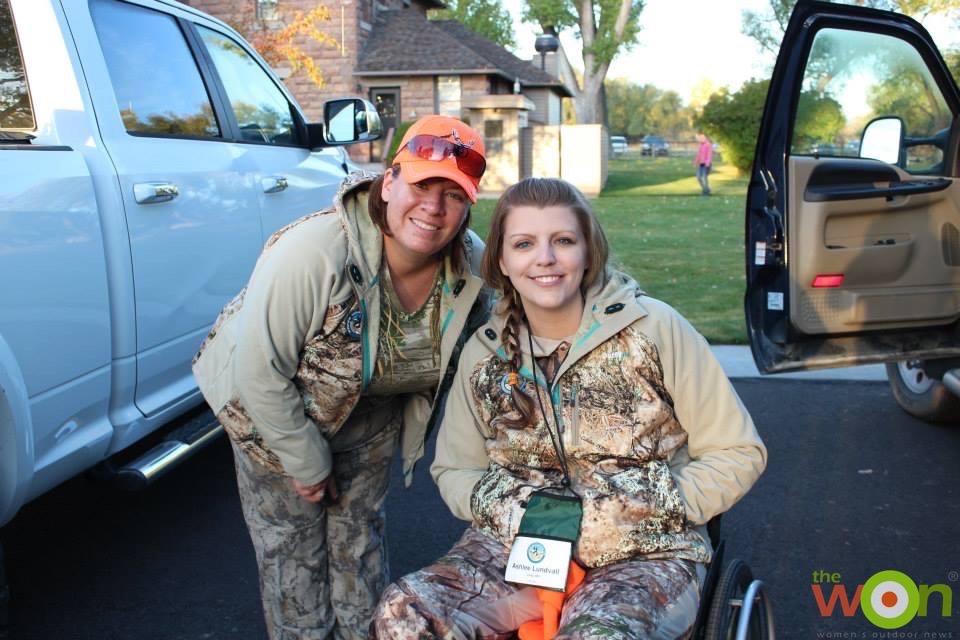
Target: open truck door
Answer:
pixel 853 209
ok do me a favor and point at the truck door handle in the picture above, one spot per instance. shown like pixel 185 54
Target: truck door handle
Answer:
pixel 154 192
pixel 273 184
pixel 826 193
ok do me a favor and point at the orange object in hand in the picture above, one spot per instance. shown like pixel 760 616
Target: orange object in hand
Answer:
pixel 552 602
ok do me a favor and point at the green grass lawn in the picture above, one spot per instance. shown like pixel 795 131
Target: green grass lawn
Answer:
pixel 683 248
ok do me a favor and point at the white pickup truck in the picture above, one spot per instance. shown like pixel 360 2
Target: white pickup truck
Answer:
pixel 146 153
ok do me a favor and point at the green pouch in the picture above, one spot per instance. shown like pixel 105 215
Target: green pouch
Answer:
pixel 552 516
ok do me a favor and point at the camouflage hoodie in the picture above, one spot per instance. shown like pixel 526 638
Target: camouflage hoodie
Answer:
pixel 657 441
pixel 288 358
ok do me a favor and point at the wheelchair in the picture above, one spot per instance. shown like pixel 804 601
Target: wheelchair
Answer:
pixel 733 606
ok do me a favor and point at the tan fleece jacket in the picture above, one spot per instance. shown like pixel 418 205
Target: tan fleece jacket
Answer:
pixel 657 440
pixel 288 359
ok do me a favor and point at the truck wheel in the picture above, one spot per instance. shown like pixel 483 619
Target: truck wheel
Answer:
pixel 920 395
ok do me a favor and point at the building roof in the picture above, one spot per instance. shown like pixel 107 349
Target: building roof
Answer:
pixel 403 43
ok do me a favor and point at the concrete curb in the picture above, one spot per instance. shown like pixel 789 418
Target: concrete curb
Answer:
pixel 737 362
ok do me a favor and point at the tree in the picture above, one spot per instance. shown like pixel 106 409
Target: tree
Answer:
pixel 629 106
pixel 634 110
pixel 819 120
pixel 907 93
pixel 279 46
pixel 733 120
pixel 767 28
pixel 485 17
pixel 952 58
pixel 701 92
pixel 605 28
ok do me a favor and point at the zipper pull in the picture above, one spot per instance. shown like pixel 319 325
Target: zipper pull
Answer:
pixel 572 435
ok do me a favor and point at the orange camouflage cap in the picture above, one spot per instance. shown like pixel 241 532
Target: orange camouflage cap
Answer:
pixel 442 147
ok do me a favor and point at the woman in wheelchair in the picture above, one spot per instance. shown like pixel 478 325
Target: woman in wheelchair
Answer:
pixel 589 436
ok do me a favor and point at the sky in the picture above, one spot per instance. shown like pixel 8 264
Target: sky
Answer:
pixel 684 42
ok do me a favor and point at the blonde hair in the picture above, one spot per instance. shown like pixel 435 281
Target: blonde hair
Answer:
pixel 540 193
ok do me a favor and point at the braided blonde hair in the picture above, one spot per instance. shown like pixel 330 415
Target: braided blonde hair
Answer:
pixel 540 193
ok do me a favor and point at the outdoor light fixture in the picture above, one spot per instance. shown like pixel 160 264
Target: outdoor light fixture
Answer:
pixel 546 42
pixel 267 10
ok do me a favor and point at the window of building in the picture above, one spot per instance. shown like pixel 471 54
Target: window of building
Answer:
pixel 448 95
pixel 169 100
pixel 493 135
pixel 268 9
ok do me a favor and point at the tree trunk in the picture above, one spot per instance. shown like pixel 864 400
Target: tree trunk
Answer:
pixel 590 102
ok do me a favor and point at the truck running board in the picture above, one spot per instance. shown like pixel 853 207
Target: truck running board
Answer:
pixel 179 445
pixel 951 380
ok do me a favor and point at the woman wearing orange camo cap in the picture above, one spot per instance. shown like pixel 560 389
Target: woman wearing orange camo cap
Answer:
pixel 332 356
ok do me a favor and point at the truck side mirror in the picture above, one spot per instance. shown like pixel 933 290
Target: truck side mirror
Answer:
pixel 350 120
pixel 882 139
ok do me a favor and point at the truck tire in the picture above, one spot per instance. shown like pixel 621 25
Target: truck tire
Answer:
pixel 921 396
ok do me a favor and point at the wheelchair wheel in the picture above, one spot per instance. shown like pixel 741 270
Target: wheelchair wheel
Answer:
pixel 727 605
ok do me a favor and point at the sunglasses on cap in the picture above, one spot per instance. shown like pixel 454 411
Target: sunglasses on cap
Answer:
pixel 430 147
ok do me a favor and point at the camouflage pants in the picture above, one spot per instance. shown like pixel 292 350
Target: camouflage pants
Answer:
pixel 322 569
pixel 463 596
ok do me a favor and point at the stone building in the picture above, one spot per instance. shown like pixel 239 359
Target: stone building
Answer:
pixel 390 53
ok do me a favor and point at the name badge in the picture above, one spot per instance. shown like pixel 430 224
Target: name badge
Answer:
pixel 539 562
pixel 541 552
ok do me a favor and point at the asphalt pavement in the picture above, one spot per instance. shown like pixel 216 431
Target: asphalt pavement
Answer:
pixel 854 486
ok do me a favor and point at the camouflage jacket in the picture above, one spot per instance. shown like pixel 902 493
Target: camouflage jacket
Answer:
pixel 656 440
pixel 289 357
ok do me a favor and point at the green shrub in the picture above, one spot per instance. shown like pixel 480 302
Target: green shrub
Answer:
pixel 397 137
pixel 733 120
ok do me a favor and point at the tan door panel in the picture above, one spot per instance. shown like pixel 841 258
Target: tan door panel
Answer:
pixel 898 256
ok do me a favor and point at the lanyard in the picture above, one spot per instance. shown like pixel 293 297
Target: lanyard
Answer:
pixel 558 442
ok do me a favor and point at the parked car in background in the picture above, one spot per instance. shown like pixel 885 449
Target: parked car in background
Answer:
pixel 654 146
pixel 855 258
pixel 618 145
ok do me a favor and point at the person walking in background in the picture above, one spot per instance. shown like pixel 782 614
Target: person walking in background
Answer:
pixel 336 351
pixel 585 412
pixel 704 162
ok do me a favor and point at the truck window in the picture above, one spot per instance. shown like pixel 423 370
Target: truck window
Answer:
pixel 261 109
pixel 853 77
pixel 155 78
pixel 15 110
